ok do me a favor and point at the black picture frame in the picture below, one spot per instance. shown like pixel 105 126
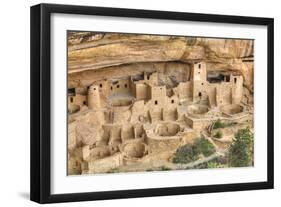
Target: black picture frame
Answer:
pixel 41 99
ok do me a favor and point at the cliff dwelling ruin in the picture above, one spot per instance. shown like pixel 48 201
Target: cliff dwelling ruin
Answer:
pixel 135 100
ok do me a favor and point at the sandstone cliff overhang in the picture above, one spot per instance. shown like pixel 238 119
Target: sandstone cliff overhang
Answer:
pixel 91 51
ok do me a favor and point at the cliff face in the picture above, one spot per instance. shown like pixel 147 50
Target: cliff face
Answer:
pixel 89 51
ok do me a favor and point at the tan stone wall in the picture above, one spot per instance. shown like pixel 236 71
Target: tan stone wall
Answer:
pixel 81 90
pixel 151 79
pixel 121 86
pixel 132 86
pixel 138 109
pixel 188 121
pixel 127 132
pixel 200 124
pixel 139 131
pixel 223 93
pixel 212 98
pixel 184 90
pixel 182 72
pixel 199 74
pixel 121 114
pixel 200 91
pixel 237 89
pixel 76 102
pixel 94 97
pixel 157 144
pixel 141 91
pixel 158 95
pixel 105 133
pixel 105 164
pixel 170 114
pixel 115 134
pixel 156 114
pixel 172 102
pixel 97 117
pixel 103 87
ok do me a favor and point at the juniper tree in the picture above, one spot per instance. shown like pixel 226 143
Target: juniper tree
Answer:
pixel 241 150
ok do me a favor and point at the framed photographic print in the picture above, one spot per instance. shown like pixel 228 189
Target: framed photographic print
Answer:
pixel 133 103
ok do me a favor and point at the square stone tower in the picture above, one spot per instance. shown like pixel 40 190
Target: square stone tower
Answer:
pixel 199 82
pixel 237 88
pixel 158 95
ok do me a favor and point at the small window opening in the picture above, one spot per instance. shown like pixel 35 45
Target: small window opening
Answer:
pixel 71 99
pixel 215 77
pixel 156 102
pixel 111 88
pixel 114 82
pixel 71 91
pixel 94 89
pixel 101 85
pixel 84 102
pixel 125 85
pixel 172 101
pixel 199 66
pixel 199 94
pixel 148 77
pixel 202 84
pixel 235 80
pixel 117 86
pixel 227 78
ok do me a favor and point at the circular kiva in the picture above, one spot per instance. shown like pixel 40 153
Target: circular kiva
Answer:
pixel 167 129
pixel 232 109
pixel 135 150
pixel 197 109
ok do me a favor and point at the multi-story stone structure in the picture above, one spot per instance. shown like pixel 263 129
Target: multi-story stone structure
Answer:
pixel 215 89
pixel 129 118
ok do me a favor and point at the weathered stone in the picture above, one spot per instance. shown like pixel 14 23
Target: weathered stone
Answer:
pixel 86 134
pixel 102 51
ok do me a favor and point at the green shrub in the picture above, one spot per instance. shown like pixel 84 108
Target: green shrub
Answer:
pixel 203 146
pixel 188 153
pixel 218 124
pixel 241 150
pixel 218 134
pixel 185 154
pixel 212 164
pixel 164 168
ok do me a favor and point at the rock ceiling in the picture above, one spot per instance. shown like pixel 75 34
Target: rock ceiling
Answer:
pixel 90 51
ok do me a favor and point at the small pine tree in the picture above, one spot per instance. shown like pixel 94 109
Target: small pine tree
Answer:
pixel 203 146
pixel 241 150
pixel 218 134
pixel 218 124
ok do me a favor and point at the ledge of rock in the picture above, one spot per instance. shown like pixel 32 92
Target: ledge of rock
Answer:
pixel 89 51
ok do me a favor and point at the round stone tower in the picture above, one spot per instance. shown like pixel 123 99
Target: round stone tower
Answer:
pixel 94 97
